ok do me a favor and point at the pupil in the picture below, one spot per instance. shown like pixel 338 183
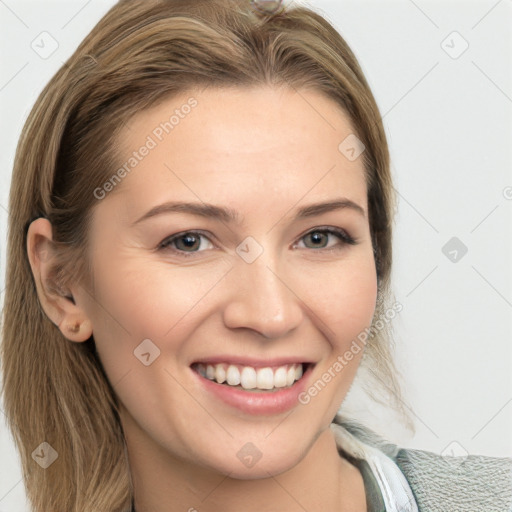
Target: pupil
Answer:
pixel 317 238
pixel 188 241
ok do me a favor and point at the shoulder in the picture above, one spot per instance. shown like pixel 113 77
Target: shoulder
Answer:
pixel 472 482
pixel 438 483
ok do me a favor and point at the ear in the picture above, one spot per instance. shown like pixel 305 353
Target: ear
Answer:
pixel 59 305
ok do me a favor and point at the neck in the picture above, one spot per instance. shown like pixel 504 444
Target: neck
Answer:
pixel 322 480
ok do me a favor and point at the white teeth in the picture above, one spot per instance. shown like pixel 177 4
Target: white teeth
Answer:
pixel 210 372
pixel 290 376
pixel 220 373
pixel 251 378
pixel 280 377
pixel 265 378
pixel 233 375
pixel 248 378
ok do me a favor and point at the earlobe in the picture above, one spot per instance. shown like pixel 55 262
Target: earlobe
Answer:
pixel 77 331
pixel 59 305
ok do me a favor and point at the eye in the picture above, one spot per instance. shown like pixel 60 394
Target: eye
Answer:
pixel 325 238
pixel 186 242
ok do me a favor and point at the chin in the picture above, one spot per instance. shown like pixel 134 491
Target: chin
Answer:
pixel 261 469
pixel 249 460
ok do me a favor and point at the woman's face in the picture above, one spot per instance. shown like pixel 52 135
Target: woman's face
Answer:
pixel 242 264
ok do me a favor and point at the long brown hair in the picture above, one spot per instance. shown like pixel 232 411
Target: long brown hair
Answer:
pixel 141 52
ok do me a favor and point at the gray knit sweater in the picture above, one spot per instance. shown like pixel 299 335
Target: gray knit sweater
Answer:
pixel 432 483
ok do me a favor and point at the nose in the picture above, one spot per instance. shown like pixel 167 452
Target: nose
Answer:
pixel 263 300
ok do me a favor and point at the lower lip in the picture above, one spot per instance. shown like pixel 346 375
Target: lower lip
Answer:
pixel 257 402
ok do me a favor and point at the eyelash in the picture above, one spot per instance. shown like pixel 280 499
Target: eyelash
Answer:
pixel 341 234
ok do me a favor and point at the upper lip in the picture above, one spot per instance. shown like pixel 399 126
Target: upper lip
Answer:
pixel 254 362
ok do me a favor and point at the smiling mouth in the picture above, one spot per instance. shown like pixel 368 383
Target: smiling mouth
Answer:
pixel 249 378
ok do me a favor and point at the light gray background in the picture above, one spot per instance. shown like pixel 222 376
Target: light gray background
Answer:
pixel 449 126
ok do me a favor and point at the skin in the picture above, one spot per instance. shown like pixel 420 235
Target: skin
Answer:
pixel 263 152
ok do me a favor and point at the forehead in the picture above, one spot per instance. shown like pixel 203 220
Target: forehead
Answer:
pixel 217 144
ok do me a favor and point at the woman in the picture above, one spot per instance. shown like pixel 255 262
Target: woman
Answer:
pixel 200 244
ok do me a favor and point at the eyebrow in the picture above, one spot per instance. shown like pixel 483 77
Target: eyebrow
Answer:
pixel 229 215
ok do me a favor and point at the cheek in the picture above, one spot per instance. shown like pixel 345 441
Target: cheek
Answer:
pixel 343 304
pixel 139 299
pixel 343 297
